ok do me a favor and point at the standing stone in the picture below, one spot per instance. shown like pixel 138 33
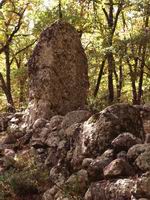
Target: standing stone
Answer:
pixel 58 72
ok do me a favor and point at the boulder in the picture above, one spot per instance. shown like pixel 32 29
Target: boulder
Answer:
pixel 103 151
pixel 143 186
pixel 73 117
pixel 143 161
pixel 58 73
pixel 39 123
pixel 124 141
pixel 95 168
pixel 122 154
pixel 86 162
pixel 55 123
pixel 136 150
pixel 47 196
pixel 117 168
pixel 109 190
pixel 120 189
pixel 100 129
pixel 57 175
pixel 78 183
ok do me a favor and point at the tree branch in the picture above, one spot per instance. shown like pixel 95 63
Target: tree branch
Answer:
pixel 99 77
pixel 117 16
pixel 23 49
pixel 16 29
pixel 106 14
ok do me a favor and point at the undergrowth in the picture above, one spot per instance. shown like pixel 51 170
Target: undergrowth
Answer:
pixel 23 182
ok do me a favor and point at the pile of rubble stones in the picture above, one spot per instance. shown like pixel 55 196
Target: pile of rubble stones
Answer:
pixel 92 157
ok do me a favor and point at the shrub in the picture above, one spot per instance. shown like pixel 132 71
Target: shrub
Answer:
pixel 23 184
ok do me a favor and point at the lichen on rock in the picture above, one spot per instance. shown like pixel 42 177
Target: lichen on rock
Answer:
pixel 58 72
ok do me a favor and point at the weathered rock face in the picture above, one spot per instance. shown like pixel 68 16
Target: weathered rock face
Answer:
pixel 120 189
pixel 99 131
pixel 58 72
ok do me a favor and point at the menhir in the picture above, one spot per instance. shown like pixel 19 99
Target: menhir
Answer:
pixel 58 73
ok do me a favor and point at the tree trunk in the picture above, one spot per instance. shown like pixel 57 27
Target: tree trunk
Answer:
pixel 7 94
pixel 110 77
pixel 8 81
pixel 112 19
pixel 99 78
pixel 133 81
pixel 60 10
pixel 119 80
pixel 140 91
pixel 22 81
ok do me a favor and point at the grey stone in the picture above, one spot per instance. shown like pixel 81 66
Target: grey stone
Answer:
pixel 58 72
pixel 78 182
pixel 124 141
pixel 120 189
pixel 9 153
pixel 118 167
pixel 14 120
pixel 9 139
pixel 95 169
pixel 73 117
pixel 39 123
pixel 55 123
pixel 100 129
pixel 143 186
pixel 47 196
pixel 143 161
pixel 147 138
pixel 136 150
pixel 86 162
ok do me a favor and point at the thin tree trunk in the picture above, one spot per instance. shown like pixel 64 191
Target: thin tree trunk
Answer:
pixel 21 82
pixel 134 90
pixel 3 84
pixel 8 79
pixel 60 10
pixel 140 91
pixel 110 77
pixel 112 20
pixel 119 80
pixel 99 77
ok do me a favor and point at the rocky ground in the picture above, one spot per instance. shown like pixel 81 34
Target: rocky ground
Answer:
pixel 102 156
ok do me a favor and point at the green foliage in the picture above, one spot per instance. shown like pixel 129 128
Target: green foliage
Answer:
pixel 5 190
pixel 130 35
pixel 26 179
pixel 23 184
